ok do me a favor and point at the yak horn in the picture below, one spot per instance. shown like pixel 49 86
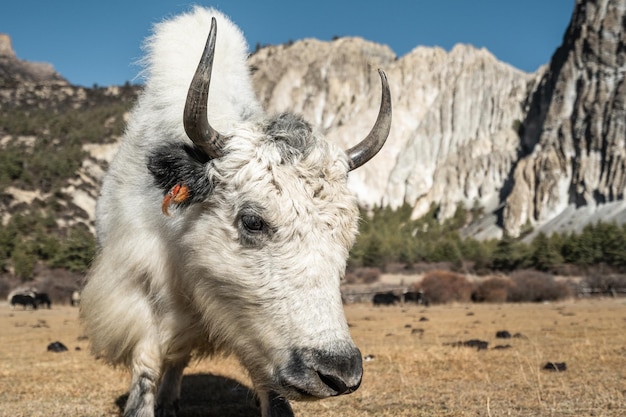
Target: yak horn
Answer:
pixel 374 141
pixel 195 120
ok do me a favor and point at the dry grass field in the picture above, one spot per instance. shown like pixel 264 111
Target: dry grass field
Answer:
pixel 414 371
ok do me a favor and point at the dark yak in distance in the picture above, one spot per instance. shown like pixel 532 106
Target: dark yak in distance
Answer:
pixel 42 298
pixel 385 299
pixel 416 297
pixel 24 300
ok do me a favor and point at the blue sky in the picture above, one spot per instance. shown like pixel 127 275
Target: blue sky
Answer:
pixel 98 42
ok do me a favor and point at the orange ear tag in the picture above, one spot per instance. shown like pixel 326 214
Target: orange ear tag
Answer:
pixel 177 194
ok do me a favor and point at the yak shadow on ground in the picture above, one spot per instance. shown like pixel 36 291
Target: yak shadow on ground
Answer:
pixel 211 395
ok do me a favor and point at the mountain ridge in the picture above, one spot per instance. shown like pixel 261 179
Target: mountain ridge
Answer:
pixel 437 97
pixel 14 71
pixel 467 129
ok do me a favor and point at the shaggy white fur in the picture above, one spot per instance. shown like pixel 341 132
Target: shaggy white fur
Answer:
pixel 251 267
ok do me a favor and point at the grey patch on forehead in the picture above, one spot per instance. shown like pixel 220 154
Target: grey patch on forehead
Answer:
pixel 292 135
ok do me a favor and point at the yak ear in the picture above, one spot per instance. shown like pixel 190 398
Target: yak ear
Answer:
pixel 180 172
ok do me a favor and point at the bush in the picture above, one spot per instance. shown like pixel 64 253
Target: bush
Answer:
pixel 24 259
pixel 32 237
pixel 534 286
pixel 444 287
pixel 492 290
pixel 605 283
pixel 76 251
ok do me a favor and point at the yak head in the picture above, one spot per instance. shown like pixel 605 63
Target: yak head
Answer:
pixel 266 222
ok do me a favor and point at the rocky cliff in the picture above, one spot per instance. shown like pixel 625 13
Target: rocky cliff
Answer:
pixel 56 140
pixel 455 115
pixel 571 168
pixel 14 71
pixel 531 149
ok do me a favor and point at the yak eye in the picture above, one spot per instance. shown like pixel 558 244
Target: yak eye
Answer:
pixel 252 223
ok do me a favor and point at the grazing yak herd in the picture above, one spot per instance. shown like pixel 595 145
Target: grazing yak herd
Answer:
pixel 389 298
pixel 30 298
pixel 34 299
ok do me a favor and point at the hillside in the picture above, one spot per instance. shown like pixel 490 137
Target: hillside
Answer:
pixel 537 152
pixel 55 142
pixel 454 136
pixel 571 166
pixel 14 72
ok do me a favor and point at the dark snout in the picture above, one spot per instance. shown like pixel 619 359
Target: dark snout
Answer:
pixel 314 373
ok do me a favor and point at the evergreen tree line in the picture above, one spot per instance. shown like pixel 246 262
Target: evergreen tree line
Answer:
pixel 31 238
pixel 390 236
pixel 386 237
pixel 44 150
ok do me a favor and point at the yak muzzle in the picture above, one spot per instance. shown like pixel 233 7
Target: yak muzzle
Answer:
pixel 313 373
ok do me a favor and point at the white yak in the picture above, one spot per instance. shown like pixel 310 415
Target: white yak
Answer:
pixel 223 230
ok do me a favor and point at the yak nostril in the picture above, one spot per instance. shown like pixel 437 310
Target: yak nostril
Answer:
pixel 314 373
pixel 333 382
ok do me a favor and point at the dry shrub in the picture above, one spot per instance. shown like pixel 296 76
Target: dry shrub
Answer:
pixel 535 286
pixel 445 286
pixel 363 276
pixel 605 282
pixel 492 290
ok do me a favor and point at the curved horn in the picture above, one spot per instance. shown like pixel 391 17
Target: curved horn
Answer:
pixel 374 141
pixel 195 120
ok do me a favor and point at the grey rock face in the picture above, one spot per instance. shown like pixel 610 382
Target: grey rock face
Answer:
pixel 573 150
pixel 14 71
pixel 531 149
pixel 455 114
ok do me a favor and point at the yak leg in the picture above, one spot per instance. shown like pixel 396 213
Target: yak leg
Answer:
pixel 169 391
pixel 273 405
pixel 145 374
